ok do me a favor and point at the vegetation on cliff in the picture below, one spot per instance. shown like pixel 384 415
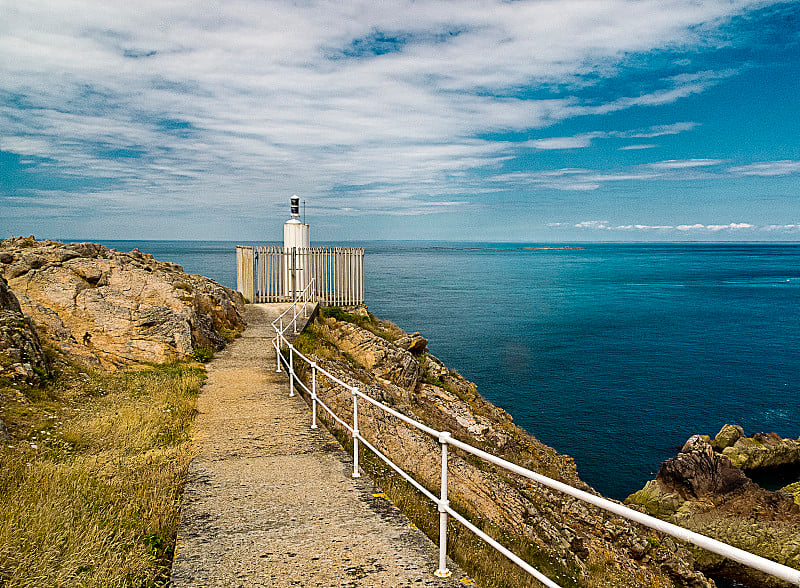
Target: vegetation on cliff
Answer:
pixel 573 543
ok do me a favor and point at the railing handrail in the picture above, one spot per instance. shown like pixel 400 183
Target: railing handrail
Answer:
pixel 445 438
pixel 280 329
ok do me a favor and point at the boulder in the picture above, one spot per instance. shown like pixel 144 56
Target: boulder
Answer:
pixel 698 472
pixel 727 436
pixel 114 308
pixel 763 450
pixel 413 343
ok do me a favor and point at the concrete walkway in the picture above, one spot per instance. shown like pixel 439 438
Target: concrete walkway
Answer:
pixel 270 502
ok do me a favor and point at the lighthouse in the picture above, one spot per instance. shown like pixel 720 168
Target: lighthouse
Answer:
pixel 281 274
pixel 296 242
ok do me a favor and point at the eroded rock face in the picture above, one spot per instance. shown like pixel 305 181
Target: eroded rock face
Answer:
pixel 698 472
pixel 762 450
pixel 114 308
pixel 582 541
pixel 703 490
pixel 21 353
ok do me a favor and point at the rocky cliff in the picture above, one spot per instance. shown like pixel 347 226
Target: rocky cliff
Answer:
pixel 113 308
pixel 705 488
pixel 21 353
pixel 573 543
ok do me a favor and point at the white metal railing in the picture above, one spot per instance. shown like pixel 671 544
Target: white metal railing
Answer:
pixel 445 439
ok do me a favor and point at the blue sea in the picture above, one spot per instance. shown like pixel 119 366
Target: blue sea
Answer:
pixel 612 353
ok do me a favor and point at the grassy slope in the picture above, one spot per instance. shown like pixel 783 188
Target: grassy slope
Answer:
pixel 90 483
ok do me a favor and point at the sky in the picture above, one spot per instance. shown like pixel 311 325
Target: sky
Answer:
pixel 482 120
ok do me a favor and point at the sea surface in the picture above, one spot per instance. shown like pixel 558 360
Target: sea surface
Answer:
pixel 612 353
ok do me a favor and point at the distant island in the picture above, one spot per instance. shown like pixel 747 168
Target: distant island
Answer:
pixel 506 248
pixel 549 248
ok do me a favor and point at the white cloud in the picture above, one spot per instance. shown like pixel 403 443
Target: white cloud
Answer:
pixel 639 146
pixel 576 142
pixel 584 140
pixel 787 228
pixel 607 226
pixel 661 130
pixel 668 170
pixel 684 164
pixel 256 100
pixel 731 226
pixel 593 224
pixel 767 168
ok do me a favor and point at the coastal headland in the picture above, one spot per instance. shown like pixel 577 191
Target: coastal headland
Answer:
pixel 76 313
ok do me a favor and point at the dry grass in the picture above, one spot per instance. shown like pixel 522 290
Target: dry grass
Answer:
pixel 90 485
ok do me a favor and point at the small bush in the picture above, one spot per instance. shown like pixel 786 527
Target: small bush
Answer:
pixel 228 334
pixel 203 354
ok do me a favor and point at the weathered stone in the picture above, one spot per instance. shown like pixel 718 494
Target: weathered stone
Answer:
pixel 727 436
pixel 763 451
pixel 413 343
pixel 794 490
pixel 387 360
pixel 698 471
pixel 4 434
pixel 113 308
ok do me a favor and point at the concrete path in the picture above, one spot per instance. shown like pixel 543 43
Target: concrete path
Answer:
pixel 270 502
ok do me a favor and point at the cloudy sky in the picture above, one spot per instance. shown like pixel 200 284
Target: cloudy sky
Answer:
pixel 546 120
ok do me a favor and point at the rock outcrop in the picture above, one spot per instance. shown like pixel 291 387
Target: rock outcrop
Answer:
pixel 762 450
pixel 113 308
pixel 704 490
pixel 21 353
pixel 574 543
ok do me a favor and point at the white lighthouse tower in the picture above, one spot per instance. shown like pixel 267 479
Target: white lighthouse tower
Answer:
pixel 296 241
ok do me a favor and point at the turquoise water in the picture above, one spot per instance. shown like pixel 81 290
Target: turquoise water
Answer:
pixel 614 353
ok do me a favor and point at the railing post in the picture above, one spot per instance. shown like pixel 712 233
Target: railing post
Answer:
pixel 355 434
pixel 294 312
pixel 443 572
pixel 314 396
pixel 277 343
pixel 291 370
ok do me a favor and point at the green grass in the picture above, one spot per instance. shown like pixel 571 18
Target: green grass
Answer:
pixel 383 329
pixel 203 354
pixel 90 484
pixel 316 340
